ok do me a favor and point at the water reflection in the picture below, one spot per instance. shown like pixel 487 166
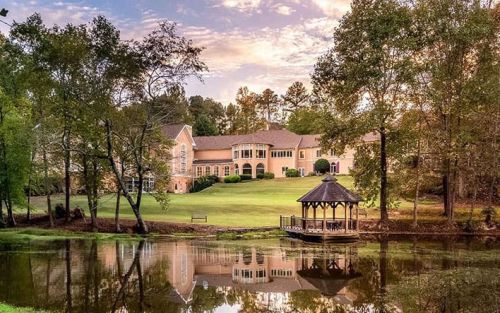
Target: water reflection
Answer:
pixel 258 276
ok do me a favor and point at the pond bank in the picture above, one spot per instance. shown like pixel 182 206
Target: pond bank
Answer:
pixel 106 229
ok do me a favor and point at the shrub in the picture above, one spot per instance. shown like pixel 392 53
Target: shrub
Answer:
pixel 322 166
pixel 260 175
pixel 204 182
pixel 311 174
pixel 60 211
pixel 245 177
pixel 231 179
pixel 268 175
pixel 291 172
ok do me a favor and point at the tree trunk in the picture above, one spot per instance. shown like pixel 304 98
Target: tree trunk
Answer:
pixel 88 190
pixel 30 182
pixel 2 221
pixel 384 215
pixel 118 200
pixel 417 185
pixel 46 186
pixel 67 164
pixel 135 208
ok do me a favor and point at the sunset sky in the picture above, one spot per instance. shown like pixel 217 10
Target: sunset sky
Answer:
pixel 254 43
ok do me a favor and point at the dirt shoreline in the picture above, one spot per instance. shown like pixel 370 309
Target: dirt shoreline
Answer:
pixel 367 227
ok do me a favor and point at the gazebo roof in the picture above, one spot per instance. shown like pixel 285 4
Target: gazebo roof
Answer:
pixel 330 191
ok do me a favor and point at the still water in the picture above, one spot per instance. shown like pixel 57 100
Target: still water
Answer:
pixel 273 275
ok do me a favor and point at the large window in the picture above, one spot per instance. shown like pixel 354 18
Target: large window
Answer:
pixel 236 169
pixel 235 152
pixel 302 154
pixel 199 171
pixel 247 169
pixel 260 151
pixel 318 153
pixel 334 167
pixel 260 168
pixel 183 159
pixel 281 154
pixel 207 170
pixel 246 151
pixel 226 170
pixel 302 171
pixel 216 171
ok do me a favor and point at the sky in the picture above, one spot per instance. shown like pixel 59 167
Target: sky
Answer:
pixel 255 43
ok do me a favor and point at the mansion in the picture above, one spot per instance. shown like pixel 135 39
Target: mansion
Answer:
pixel 263 151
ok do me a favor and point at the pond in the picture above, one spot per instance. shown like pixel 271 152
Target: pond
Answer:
pixel 272 275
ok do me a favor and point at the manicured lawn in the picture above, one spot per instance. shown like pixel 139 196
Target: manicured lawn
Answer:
pixel 253 203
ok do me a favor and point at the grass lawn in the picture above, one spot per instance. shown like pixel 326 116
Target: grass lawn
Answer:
pixel 252 203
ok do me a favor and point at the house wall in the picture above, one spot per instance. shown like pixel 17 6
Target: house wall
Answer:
pixel 222 154
pixel 181 182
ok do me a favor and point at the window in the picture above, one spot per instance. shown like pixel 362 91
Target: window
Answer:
pixel 247 169
pixel 246 273
pixel 260 273
pixel 260 168
pixel 207 170
pixel 216 170
pixel 318 153
pixel 183 158
pixel 260 152
pixel 302 171
pixel 281 154
pixel 334 167
pixel 199 171
pixel 284 169
pixel 226 170
pixel 302 154
pixel 246 152
pixel 236 169
pixel 235 152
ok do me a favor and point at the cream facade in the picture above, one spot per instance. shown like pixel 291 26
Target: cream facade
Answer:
pixel 264 151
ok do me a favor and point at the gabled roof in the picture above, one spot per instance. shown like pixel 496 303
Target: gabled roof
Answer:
pixel 172 130
pixel 330 191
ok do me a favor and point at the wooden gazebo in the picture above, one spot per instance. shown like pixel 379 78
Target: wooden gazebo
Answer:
pixel 338 220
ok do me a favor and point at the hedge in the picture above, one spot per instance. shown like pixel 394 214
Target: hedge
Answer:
pixel 246 177
pixel 322 166
pixel 204 182
pixel 231 179
pixel 291 172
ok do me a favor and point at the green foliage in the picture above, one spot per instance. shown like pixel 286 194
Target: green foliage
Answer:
pixel 268 175
pixel 203 126
pixel 60 211
pixel 322 166
pixel 292 172
pixel 232 179
pixel 246 177
pixel 305 121
pixel 203 182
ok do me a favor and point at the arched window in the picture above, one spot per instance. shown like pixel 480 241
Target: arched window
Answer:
pixel 183 159
pixel 207 171
pixel 334 167
pixel 260 168
pixel 247 169
pixel 236 169
pixel 226 170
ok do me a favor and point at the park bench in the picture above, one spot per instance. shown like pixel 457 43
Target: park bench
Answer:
pixel 362 212
pixel 198 216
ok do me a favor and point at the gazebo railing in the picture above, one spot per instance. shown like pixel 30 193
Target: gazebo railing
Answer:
pixel 316 224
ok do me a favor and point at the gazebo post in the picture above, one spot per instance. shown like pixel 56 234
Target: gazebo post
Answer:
pixel 324 216
pixel 350 216
pixel 345 216
pixel 357 218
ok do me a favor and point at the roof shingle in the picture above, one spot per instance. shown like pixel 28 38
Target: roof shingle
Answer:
pixel 330 191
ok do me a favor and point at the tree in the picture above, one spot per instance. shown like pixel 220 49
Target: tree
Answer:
pixel 364 76
pixel 295 97
pixel 165 60
pixel 212 109
pixel 248 120
pixel 322 166
pixel 203 126
pixel 305 121
pixel 267 104
pixel 232 112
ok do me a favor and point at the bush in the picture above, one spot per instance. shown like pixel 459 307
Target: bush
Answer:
pixel 232 179
pixel 268 175
pixel 291 172
pixel 246 177
pixel 322 166
pixel 204 182
pixel 260 175
pixel 311 174
pixel 60 211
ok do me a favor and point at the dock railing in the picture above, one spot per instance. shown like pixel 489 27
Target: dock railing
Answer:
pixel 316 224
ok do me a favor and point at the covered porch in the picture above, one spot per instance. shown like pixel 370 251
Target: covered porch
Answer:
pixel 329 212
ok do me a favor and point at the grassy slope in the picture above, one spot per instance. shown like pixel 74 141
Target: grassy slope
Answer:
pixel 5 308
pixel 255 203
